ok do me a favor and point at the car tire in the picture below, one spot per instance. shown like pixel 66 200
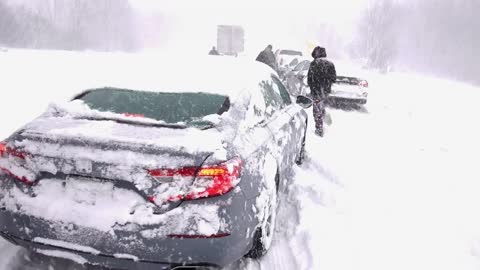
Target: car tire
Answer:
pixel 301 155
pixel 262 239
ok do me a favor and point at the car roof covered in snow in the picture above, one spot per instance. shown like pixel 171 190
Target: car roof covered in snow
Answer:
pixel 211 74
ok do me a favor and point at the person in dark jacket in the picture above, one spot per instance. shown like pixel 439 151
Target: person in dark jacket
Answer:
pixel 268 57
pixel 321 76
pixel 213 51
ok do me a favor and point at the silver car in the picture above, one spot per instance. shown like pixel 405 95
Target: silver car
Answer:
pixel 154 170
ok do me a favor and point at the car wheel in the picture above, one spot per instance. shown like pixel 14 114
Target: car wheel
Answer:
pixel 301 155
pixel 263 236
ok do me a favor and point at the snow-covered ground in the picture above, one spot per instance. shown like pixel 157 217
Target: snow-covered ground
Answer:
pixel 393 185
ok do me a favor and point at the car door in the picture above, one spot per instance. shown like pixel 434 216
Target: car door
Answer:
pixel 291 80
pixel 301 76
pixel 279 122
pixel 297 122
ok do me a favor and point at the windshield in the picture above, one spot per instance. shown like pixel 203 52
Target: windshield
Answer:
pixel 306 66
pixel 171 108
pixel 290 52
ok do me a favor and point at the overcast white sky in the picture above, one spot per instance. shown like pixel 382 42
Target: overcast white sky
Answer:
pixel 282 23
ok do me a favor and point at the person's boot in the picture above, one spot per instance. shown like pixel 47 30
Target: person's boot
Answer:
pixel 319 132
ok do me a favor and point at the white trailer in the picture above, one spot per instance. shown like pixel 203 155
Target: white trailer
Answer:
pixel 230 39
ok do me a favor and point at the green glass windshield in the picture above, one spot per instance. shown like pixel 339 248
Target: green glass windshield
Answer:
pixel 171 108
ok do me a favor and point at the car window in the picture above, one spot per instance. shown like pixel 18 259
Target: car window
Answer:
pixel 306 66
pixel 273 100
pixel 172 108
pixel 280 88
pixel 293 62
pixel 299 66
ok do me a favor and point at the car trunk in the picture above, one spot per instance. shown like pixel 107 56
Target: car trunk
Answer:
pixel 92 187
pixel 107 151
pixel 349 88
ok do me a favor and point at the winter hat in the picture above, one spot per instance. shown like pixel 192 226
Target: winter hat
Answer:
pixel 319 52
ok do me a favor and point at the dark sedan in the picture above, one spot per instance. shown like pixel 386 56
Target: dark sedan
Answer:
pixel 156 170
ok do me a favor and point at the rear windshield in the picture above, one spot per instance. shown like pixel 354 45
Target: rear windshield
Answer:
pixel 171 108
pixel 290 52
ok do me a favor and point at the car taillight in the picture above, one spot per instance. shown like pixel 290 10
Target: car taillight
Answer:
pixel 209 181
pixel 363 83
pixel 10 169
pixel 4 150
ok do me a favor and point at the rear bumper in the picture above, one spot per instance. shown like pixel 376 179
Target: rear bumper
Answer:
pixel 100 259
pixel 158 252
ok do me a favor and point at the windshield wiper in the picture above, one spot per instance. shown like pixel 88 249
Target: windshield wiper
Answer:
pixel 135 123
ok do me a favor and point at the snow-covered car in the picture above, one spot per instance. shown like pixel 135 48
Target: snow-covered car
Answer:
pixel 155 172
pixel 348 90
pixel 287 59
pixel 296 79
pixel 345 89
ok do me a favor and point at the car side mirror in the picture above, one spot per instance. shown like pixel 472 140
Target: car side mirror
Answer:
pixel 304 101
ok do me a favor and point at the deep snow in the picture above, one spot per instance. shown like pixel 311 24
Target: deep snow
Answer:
pixel 393 185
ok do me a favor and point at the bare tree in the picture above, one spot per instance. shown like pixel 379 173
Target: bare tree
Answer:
pixel 70 25
pixel 376 39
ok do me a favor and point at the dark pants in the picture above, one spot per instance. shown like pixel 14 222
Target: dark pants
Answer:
pixel 318 114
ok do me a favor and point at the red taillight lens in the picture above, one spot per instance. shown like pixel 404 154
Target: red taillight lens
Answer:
pixel 209 181
pixel 22 179
pixel 3 149
pixel 160 174
pixel 363 83
pixel 13 170
pixel 6 150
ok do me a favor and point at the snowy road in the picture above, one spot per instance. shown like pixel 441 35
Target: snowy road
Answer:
pixel 392 186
